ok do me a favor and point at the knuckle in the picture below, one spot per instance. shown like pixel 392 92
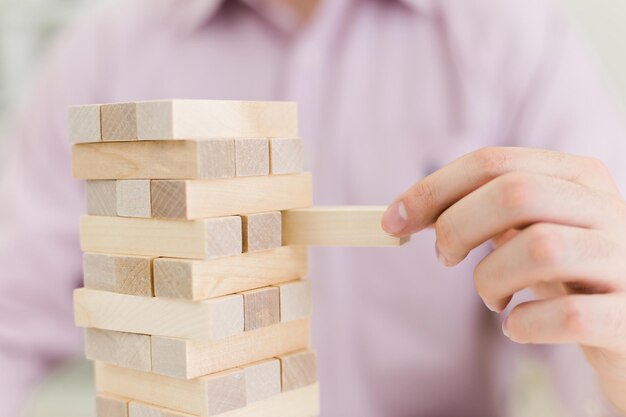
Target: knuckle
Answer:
pixel 492 161
pixel 517 191
pixel 424 193
pixel 573 317
pixel 544 244
pixel 444 231
pixel 596 166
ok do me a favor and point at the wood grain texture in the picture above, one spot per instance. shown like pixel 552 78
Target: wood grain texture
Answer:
pixel 185 159
pixel 83 123
pixel 198 239
pixel 261 231
pixel 184 358
pixel 118 273
pixel 133 198
pixel 136 409
pixel 295 300
pixel 261 308
pixel 101 198
pixel 286 155
pixel 298 369
pixel 206 396
pixel 263 380
pixel 300 402
pixel 119 348
pixel 199 119
pixel 213 319
pixel 337 226
pixel 197 280
pixel 224 197
pixel 119 121
pixel 108 405
pixel 252 157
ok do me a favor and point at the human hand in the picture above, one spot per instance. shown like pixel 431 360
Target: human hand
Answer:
pixel 558 225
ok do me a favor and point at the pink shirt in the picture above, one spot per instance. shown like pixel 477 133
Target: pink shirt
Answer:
pixel 388 91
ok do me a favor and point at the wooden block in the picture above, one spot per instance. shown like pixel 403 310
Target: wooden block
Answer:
pixel 261 308
pixel 198 119
pixel 337 226
pixel 101 197
pixel 84 123
pixel 182 358
pixel 198 280
pixel 206 396
pixel 212 319
pixel 118 273
pixel 262 380
pixel 261 231
pixel 119 121
pixel 286 155
pixel 133 198
pixel 224 197
pixel 295 300
pixel 188 159
pixel 252 157
pixel 136 409
pixel 198 239
pixel 298 369
pixel 111 406
pixel 301 402
pixel 143 410
pixel 119 348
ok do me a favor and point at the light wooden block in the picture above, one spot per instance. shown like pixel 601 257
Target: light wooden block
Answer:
pixel 261 308
pixel 119 121
pixel 101 198
pixel 198 119
pixel 286 155
pixel 133 198
pixel 263 380
pixel 84 123
pixel 118 273
pixel 136 409
pixel 295 300
pixel 252 157
pixel 224 197
pixel 111 406
pixel 198 239
pixel 119 348
pixel 206 396
pixel 298 369
pixel 213 319
pixel 337 226
pixel 197 280
pixel 261 231
pixel 143 410
pixel 187 159
pixel 182 358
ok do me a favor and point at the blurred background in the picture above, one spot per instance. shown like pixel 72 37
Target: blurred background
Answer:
pixel 28 26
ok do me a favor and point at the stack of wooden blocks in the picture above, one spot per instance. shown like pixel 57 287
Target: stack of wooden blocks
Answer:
pixel 195 301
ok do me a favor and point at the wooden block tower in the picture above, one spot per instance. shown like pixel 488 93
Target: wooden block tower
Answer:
pixel 195 298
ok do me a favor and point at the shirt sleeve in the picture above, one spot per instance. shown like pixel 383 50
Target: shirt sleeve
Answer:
pixel 566 104
pixel 39 214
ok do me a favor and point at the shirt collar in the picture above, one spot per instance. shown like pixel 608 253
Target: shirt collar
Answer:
pixel 195 13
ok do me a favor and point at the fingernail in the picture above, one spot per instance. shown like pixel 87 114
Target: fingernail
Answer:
pixel 440 256
pixel 505 329
pixel 395 218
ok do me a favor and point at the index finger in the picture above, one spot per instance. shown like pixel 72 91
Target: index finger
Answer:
pixel 421 205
